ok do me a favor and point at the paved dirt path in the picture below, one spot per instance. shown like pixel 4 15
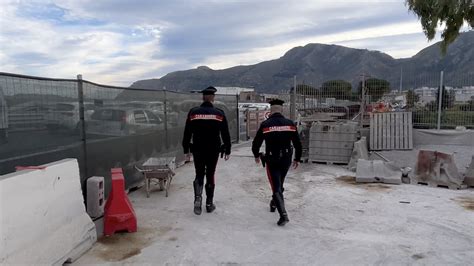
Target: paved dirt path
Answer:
pixel 332 221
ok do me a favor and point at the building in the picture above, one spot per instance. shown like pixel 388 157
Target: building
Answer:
pixel 464 94
pixel 426 95
pixel 266 97
pixel 245 94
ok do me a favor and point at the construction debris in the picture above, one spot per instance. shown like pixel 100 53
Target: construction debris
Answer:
pixel 378 171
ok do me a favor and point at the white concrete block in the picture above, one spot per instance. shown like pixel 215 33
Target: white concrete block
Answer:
pixel 95 196
pixel 43 217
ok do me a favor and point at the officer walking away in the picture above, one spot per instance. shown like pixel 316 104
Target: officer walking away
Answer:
pixel 278 133
pixel 206 125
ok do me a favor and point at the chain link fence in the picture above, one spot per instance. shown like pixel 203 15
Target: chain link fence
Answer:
pixel 419 94
pixel 44 120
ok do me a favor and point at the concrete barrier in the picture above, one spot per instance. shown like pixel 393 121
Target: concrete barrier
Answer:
pixel 436 168
pixel 43 217
pixel 469 176
pixel 378 171
pixel 360 151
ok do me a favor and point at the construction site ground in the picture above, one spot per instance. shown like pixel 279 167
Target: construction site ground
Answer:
pixel 333 221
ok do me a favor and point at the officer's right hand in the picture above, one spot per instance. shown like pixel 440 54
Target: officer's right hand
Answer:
pixel 257 160
pixel 188 157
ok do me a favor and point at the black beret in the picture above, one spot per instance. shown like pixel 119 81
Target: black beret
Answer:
pixel 276 102
pixel 209 91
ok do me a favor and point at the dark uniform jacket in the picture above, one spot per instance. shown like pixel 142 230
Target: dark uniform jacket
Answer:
pixel 206 125
pixel 278 133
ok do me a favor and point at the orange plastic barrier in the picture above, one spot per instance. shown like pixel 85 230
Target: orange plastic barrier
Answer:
pixel 118 214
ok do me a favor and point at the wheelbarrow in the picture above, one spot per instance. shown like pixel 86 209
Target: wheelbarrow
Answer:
pixel 159 169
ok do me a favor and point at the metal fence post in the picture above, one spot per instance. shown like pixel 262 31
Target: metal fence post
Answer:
pixel 165 100
pixel 82 123
pixel 362 103
pixel 238 117
pixel 293 101
pixel 440 100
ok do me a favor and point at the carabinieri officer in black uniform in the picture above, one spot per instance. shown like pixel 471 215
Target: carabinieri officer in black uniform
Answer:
pixel 278 133
pixel 206 125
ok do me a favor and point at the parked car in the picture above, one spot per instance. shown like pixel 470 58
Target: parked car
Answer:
pixel 120 121
pixel 157 108
pixel 65 116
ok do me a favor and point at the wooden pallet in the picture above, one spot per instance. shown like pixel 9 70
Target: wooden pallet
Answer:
pixel 391 131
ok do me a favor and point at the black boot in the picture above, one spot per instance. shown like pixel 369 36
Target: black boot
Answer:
pixel 197 198
pixel 280 205
pixel 272 206
pixel 210 207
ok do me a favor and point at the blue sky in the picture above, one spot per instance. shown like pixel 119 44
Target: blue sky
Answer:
pixel 117 42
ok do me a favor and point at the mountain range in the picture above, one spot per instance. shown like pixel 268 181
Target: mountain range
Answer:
pixel 314 64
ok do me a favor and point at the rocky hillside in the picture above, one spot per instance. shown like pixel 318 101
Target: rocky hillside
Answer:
pixel 316 63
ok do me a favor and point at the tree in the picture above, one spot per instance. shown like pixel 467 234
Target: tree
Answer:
pixel 432 13
pixel 412 98
pixel 306 89
pixel 375 88
pixel 447 102
pixel 338 89
pixel 448 99
pixel 469 106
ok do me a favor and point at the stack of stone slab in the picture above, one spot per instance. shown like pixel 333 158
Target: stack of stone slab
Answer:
pixel 332 142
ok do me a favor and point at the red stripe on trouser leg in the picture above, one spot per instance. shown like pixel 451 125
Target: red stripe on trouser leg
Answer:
pixel 270 179
pixel 214 174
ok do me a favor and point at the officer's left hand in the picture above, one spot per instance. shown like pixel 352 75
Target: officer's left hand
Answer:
pixel 226 157
pixel 295 164
pixel 187 157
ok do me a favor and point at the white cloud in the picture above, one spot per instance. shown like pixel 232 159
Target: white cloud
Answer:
pixel 118 42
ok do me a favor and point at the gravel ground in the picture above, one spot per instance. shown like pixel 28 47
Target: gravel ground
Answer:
pixel 333 221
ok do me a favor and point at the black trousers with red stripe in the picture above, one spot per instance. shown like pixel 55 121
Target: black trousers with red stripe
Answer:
pixel 205 166
pixel 277 168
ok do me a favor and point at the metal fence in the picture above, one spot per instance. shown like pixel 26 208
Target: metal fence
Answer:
pixel 355 99
pixel 44 120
